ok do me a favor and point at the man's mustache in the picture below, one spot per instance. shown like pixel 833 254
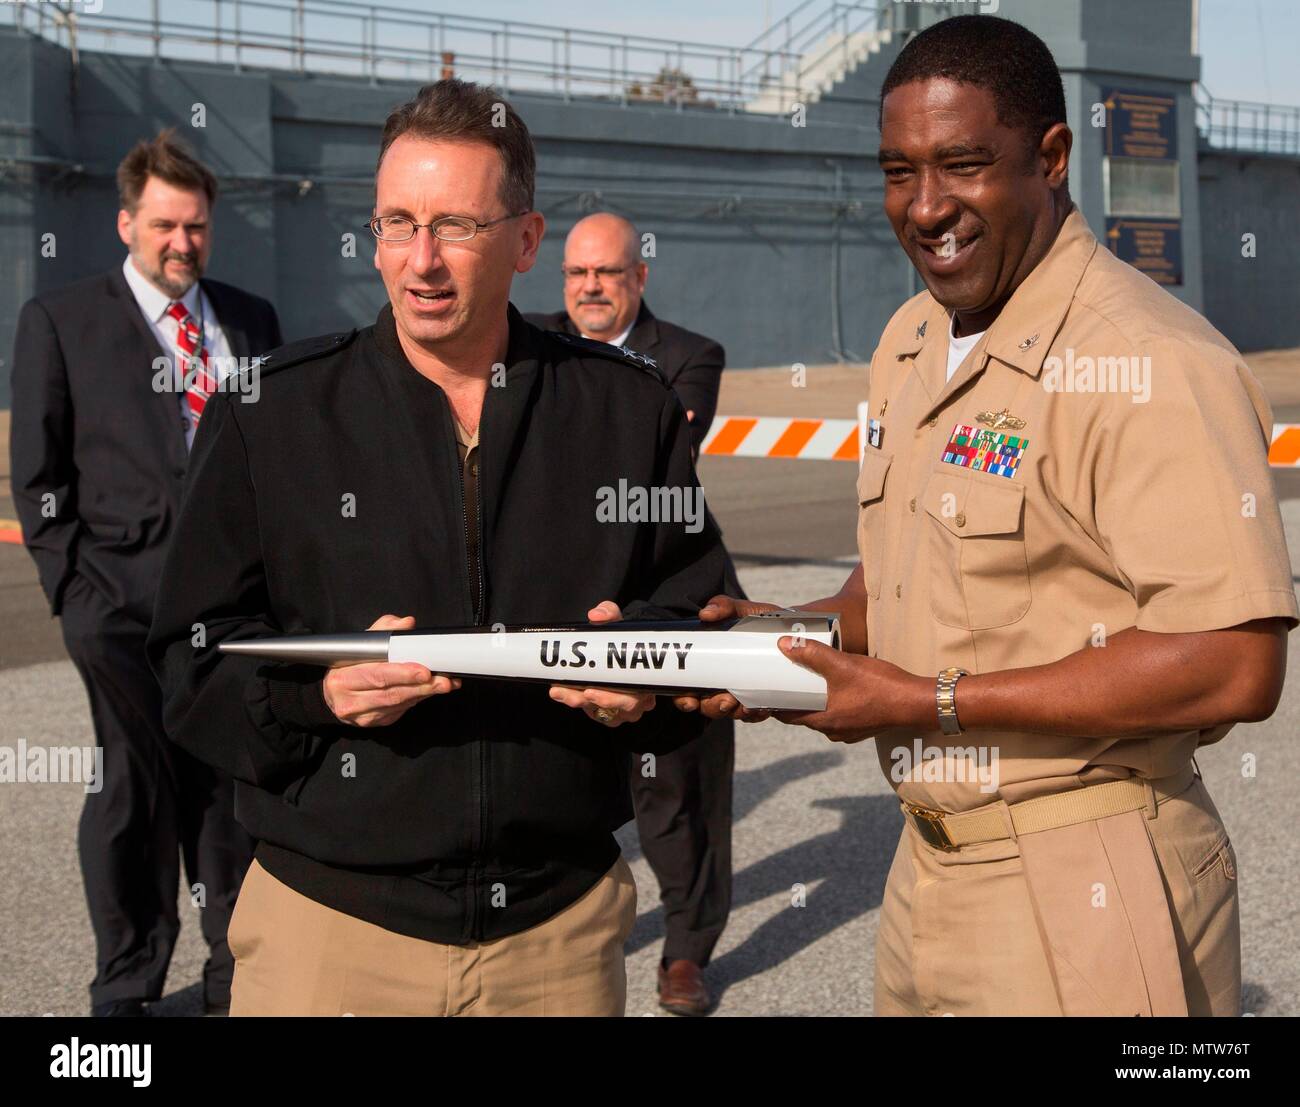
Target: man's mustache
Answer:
pixel 583 301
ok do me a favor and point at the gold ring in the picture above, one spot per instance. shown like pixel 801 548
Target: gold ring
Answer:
pixel 605 714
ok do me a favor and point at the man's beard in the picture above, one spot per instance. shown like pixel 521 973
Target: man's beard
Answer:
pixel 604 318
pixel 157 274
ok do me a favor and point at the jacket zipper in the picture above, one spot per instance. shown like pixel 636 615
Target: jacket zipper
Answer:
pixel 483 750
pixel 474 575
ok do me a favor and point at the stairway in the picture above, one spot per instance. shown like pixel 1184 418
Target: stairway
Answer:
pixel 828 63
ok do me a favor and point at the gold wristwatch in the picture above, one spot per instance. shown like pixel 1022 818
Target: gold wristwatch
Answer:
pixel 945 695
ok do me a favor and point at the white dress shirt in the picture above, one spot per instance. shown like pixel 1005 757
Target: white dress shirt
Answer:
pixel 153 304
pixel 619 341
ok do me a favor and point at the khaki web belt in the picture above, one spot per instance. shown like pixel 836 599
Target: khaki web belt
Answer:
pixel 1097 801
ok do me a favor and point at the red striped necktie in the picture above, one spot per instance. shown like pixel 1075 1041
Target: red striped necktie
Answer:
pixel 194 358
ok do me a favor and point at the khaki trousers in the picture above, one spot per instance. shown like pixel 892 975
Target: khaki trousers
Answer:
pixel 1126 915
pixel 294 956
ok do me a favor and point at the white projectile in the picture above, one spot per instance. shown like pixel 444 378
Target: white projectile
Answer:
pixel 739 656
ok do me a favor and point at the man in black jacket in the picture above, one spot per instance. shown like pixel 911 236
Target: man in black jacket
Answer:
pixel 110 378
pixel 683 799
pixel 428 845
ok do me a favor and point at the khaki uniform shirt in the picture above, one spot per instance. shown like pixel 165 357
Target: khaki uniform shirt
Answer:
pixel 1126 484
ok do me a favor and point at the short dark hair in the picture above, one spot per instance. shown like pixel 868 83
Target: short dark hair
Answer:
pixel 168 158
pixel 1009 60
pixel 463 111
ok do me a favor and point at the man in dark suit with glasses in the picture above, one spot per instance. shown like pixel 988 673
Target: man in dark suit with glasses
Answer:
pixel 683 799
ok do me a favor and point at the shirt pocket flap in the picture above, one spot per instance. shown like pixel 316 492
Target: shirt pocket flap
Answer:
pixel 972 507
pixel 871 477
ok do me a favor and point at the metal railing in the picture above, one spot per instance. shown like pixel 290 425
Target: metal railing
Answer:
pixel 1247 125
pixel 383 41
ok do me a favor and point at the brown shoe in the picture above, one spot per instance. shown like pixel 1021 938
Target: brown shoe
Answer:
pixel 682 990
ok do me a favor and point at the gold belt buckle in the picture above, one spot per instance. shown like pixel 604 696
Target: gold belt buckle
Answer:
pixel 929 824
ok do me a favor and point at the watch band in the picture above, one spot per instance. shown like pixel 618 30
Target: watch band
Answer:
pixel 945 696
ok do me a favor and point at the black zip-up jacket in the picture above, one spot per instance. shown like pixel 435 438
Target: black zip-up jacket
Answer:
pixel 336 498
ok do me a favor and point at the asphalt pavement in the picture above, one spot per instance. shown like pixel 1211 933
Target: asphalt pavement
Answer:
pixel 808 813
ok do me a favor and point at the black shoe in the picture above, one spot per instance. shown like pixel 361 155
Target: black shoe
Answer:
pixel 120 1009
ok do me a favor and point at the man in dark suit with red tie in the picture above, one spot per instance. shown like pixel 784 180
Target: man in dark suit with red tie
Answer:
pixel 110 378
pixel 683 798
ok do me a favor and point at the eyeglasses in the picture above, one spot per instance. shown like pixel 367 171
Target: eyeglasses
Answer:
pixel 578 273
pixel 450 228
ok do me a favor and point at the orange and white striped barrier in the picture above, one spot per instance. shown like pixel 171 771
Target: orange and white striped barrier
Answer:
pixel 776 436
pixel 842 439
pixel 1284 450
pixel 818 440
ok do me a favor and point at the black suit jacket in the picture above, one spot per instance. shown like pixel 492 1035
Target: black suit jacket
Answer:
pixel 97 455
pixel 692 363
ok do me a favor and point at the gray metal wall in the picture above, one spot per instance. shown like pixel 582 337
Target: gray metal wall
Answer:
pixel 742 208
pixel 762 228
pixel 1255 301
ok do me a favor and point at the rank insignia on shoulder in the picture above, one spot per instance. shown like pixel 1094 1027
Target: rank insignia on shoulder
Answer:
pixel 306 349
pixel 920 331
pixel 606 349
pixel 999 419
pixel 985 451
pixel 641 359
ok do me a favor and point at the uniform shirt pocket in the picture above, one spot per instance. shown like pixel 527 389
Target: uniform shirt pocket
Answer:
pixel 979 573
pixel 871 517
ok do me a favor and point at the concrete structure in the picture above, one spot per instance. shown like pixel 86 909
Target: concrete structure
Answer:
pixel 768 229
pixel 1250 243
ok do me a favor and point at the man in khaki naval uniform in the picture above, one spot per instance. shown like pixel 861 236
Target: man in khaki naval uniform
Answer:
pixel 1099 550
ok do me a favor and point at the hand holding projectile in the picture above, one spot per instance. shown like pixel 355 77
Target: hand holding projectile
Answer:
pixel 723 705
pixel 378 693
pixel 628 661
pixel 603 704
pixel 865 697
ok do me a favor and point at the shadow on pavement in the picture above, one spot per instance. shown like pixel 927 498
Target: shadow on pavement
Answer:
pixel 843 873
pixel 186 1003
pixel 750 787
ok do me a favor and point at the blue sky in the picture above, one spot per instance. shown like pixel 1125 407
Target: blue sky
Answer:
pixel 1249 47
